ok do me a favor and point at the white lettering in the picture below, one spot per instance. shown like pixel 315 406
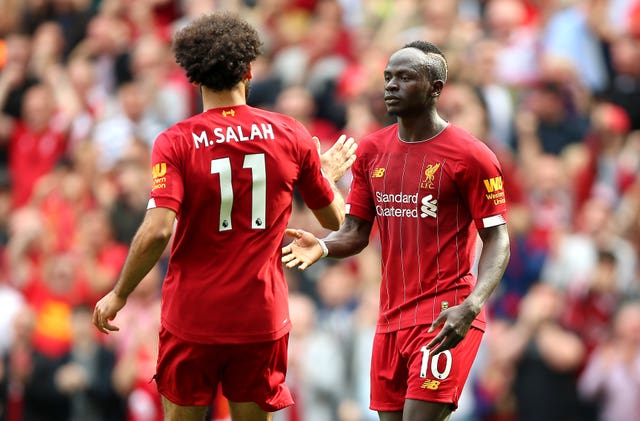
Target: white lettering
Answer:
pixel 396 198
pixel 255 132
pixel 267 130
pixel 227 134
pixel 219 134
pixel 200 139
pixel 231 135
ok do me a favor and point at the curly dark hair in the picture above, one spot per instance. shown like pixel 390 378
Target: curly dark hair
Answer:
pixel 216 50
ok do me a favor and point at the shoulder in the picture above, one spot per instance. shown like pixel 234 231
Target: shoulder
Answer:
pixel 467 144
pixel 278 119
pixel 375 140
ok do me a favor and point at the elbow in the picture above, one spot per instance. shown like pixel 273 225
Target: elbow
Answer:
pixel 156 234
pixel 334 224
pixel 163 235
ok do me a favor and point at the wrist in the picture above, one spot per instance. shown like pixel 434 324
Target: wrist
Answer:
pixel 323 246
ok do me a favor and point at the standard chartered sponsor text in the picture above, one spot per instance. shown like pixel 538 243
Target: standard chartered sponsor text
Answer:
pixel 396 211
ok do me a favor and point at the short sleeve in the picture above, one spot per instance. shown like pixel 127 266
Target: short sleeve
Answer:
pixel 314 188
pixel 359 201
pixel 482 187
pixel 167 189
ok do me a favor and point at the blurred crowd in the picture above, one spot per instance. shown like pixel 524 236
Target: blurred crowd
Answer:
pixel 552 86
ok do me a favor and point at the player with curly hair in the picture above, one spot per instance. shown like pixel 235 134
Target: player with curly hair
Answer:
pixel 227 175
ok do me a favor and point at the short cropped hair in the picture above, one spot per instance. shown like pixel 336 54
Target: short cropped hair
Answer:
pixel 438 65
pixel 216 50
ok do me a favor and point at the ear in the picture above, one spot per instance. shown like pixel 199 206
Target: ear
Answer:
pixel 436 88
pixel 249 75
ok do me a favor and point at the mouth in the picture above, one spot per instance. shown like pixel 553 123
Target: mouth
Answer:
pixel 391 99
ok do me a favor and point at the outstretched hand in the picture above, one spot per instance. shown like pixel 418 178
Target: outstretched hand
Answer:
pixel 339 158
pixel 455 322
pixel 303 251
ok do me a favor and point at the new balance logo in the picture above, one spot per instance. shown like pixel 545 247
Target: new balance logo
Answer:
pixel 430 384
pixel 429 206
pixel 377 172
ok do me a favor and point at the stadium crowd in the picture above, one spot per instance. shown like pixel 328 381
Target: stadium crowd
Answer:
pixel 552 86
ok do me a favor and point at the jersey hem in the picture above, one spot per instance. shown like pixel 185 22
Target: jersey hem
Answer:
pixel 387 327
pixel 222 338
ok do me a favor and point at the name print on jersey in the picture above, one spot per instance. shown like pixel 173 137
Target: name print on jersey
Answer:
pixel 263 131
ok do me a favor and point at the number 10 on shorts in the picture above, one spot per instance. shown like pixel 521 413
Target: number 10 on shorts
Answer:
pixel 430 362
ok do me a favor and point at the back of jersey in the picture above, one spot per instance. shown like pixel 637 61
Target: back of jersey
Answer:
pixel 229 173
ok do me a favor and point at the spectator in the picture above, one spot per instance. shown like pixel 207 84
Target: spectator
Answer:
pixel 85 377
pixel 613 372
pixel 546 358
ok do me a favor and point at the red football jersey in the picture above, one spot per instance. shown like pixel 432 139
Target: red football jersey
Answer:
pixel 229 173
pixel 428 199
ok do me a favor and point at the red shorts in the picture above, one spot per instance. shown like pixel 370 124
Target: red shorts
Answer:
pixel 188 373
pixel 402 368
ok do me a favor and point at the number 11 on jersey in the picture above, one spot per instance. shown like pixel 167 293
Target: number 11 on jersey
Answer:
pixel 255 163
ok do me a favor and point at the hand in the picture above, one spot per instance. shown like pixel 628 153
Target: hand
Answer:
pixel 71 378
pixel 339 158
pixel 455 322
pixel 106 310
pixel 303 251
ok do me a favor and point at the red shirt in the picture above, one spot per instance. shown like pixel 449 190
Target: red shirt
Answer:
pixel 31 156
pixel 428 198
pixel 230 173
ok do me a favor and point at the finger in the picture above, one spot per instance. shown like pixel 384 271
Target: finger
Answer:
pixel 293 263
pixel 353 146
pixel 441 347
pixel 317 142
pixel 286 249
pixel 436 324
pixel 436 340
pixel 349 162
pixel 287 258
pixel 95 317
pixel 110 327
pixel 304 265
pixel 291 232
pixel 100 325
pixel 337 147
pixel 349 145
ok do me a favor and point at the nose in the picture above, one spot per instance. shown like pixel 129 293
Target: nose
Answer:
pixel 391 85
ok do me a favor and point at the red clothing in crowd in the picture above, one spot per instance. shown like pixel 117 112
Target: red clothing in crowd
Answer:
pixel 32 155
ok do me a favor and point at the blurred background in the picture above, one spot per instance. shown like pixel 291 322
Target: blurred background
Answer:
pixel 552 86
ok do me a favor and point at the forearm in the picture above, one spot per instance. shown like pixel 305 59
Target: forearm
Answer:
pixel 351 239
pixel 146 249
pixel 491 266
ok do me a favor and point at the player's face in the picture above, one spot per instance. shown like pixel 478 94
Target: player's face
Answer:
pixel 407 90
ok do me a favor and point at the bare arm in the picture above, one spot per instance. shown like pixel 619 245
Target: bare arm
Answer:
pixel 457 320
pixel 335 162
pixel 305 249
pixel 332 216
pixel 146 248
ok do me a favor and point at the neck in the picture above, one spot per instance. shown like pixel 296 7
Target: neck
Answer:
pixel 422 127
pixel 220 99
